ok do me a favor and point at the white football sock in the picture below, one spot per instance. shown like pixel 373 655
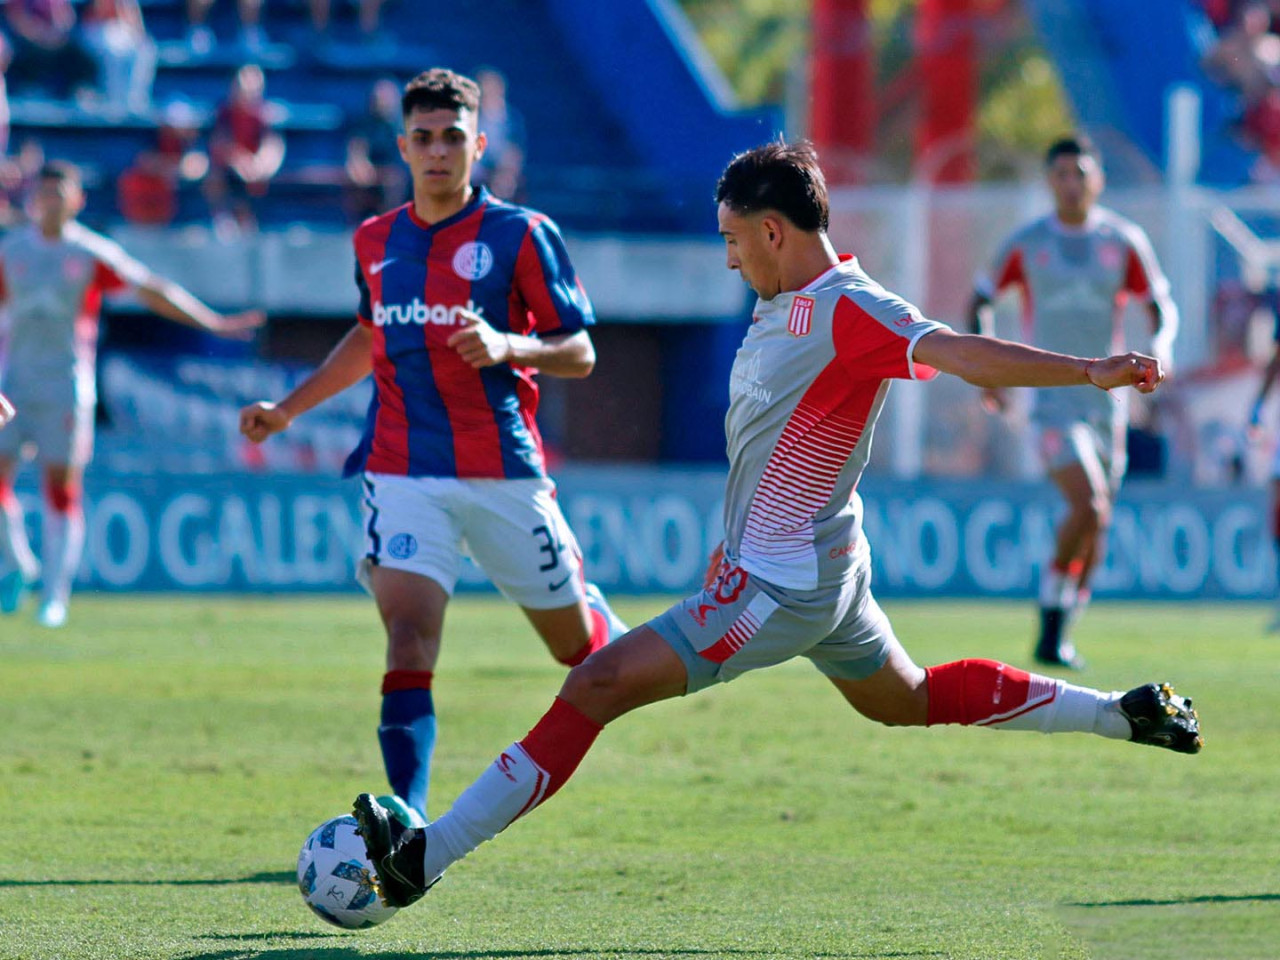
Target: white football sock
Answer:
pixel 1057 588
pixel 1074 710
pixel 15 548
pixel 63 547
pixel 512 785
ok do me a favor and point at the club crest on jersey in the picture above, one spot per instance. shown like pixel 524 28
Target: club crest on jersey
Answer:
pixel 472 261
pixel 800 320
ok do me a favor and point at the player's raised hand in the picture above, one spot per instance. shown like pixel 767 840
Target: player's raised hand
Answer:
pixel 260 420
pixel 239 326
pixel 6 410
pixel 1135 370
pixel 994 400
pixel 477 343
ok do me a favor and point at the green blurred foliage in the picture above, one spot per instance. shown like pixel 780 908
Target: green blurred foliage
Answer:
pixel 757 43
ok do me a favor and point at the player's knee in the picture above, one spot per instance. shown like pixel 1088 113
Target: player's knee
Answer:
pixel 596 681
pixel 410 644
pixel 62 496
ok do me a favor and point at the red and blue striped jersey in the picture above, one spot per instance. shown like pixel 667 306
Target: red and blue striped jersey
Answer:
pixel 432 414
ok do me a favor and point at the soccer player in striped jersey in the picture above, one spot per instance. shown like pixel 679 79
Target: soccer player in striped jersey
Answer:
pixel 806 388
pixel 463 298
pixel 53 274
pixel 1075 269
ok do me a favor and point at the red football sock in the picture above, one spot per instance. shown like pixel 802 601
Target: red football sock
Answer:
pixel 557 743
pixel 599 637
pixel 984 691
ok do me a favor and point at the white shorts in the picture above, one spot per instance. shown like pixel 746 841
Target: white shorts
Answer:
pixel 1098 450
pixel 513 529
pixel 61 432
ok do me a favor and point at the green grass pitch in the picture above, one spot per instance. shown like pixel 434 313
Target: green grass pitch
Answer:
pixel 161 760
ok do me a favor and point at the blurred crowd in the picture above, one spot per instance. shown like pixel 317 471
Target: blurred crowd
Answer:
pixel 1244 57
pixel 98 58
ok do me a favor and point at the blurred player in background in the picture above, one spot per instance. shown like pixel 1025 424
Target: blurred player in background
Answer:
pixel 1255 425
pixel 1075 268
pixel 53 274
pixel 463 298
pixel 806 388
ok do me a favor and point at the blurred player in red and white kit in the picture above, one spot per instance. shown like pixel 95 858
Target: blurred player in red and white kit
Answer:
pixel 1075 269
pixel 807 386
pixel 53 274
pixel 463 298
pixel 1255 426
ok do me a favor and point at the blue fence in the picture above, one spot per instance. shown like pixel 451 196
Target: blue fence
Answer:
pixel 649 530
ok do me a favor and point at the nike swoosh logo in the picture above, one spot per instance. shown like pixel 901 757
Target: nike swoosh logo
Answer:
pixel 376 268
pixel 556 586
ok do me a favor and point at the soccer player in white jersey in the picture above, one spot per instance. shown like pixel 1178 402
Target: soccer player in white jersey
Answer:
pixel 805 391
pixel 53 274
pixel 1255 424
pixel 1075 269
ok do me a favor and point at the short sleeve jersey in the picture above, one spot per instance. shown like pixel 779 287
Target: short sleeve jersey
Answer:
pixel 806 388
pixel 1074 283
pixel 432 414
pixel 52 291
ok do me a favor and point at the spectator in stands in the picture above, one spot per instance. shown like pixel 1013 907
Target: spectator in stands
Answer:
pixel 501 167
pixel 1246 57
pixel 46 55
pixel 244 151
pixel 200 37
pixel 147 192
pixel 375 173
pixel 178 143
pixel 369 18
pixel 17 176
pixel 116 35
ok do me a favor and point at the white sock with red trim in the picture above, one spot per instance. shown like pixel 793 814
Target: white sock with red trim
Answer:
pixel 525 775
pixel 991 694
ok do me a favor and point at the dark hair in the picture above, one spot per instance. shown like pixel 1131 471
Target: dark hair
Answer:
pixel 1075 146
pixel 778 176
pixel 60 170
pixel 440 89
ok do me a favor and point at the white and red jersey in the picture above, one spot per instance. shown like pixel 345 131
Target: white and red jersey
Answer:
pixel 51 291
pixel 1074 283
pixel 807 385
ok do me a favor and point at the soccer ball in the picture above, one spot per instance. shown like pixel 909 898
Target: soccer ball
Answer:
pixel 336 877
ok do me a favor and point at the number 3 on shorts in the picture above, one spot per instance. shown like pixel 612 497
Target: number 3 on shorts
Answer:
pixel 550 545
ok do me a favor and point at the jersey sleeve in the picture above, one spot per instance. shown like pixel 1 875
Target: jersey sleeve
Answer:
pixel 1006 270
pixel 548 284
pixel 876 333
pixel 114 270
pixel 1142 274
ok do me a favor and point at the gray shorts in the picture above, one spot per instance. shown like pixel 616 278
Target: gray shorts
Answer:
pixel 61 432
pixel 1099 449
pixel 742 623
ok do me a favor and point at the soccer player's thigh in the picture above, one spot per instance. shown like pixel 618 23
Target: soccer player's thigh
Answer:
pixel 1071 460
pixel 63 435
pixel 516 532
pixel 739 624
pixel 864 660
pixel 411 525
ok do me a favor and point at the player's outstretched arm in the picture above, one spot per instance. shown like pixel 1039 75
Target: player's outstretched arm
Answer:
pixel 174 302
pixel 988 362
pixel 347 364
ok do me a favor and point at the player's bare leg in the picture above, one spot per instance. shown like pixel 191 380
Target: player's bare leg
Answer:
pixel 18 565
pixel 996 695
pixel 412 610
pixel 1088 501
pixel 575 632
pixel 638 669
pixel 63 539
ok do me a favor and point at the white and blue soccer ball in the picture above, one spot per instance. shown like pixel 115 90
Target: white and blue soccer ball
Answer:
pixel 336 877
